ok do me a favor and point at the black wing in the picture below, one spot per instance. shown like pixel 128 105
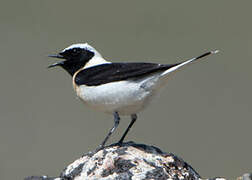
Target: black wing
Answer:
pixel 111 72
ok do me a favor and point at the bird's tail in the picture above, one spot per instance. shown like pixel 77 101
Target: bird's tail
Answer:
pixel 178 66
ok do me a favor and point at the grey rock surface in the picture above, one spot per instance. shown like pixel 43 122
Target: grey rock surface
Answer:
pixel 129 161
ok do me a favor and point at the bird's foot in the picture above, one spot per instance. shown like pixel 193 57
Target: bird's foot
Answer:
pixel 100 147
pixel 119 143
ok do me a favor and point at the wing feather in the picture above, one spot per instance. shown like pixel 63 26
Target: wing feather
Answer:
pixel 111 72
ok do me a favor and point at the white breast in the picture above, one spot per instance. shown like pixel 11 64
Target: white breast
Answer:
pixel 126 97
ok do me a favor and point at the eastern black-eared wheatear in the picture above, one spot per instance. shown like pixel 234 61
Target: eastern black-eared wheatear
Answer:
pixel 116 88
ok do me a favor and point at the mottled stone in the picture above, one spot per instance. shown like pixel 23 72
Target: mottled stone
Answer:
pixel 246 176
pixel 129 161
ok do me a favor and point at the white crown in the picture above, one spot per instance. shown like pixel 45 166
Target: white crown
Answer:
pixel 83 46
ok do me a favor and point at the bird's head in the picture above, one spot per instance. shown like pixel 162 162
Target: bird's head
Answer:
pixel 75 57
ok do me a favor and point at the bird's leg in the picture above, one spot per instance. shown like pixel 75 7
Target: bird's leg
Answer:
pixel 116 123
pixel 133 120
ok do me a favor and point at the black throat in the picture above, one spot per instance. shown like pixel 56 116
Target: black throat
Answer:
pixel 72 67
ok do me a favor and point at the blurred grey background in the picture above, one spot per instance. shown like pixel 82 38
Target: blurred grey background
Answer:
pixel 203 115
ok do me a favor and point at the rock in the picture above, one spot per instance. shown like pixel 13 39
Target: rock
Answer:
pixel 128 161
pixel 246 176
pixel 41 178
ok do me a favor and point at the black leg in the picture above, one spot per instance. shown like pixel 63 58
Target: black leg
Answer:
pixel 116 123
pixel 133 120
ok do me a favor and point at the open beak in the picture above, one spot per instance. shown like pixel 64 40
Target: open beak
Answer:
pixel 56 56
pixel 57 63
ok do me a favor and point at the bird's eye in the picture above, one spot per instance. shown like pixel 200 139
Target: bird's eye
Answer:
pixel 75 52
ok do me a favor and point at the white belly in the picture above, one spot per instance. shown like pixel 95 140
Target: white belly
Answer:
pixel 125 97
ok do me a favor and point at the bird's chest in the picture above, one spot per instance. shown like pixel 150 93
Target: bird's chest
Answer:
pixel 126 97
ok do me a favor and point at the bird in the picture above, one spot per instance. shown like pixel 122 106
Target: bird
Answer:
pixel 117 88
